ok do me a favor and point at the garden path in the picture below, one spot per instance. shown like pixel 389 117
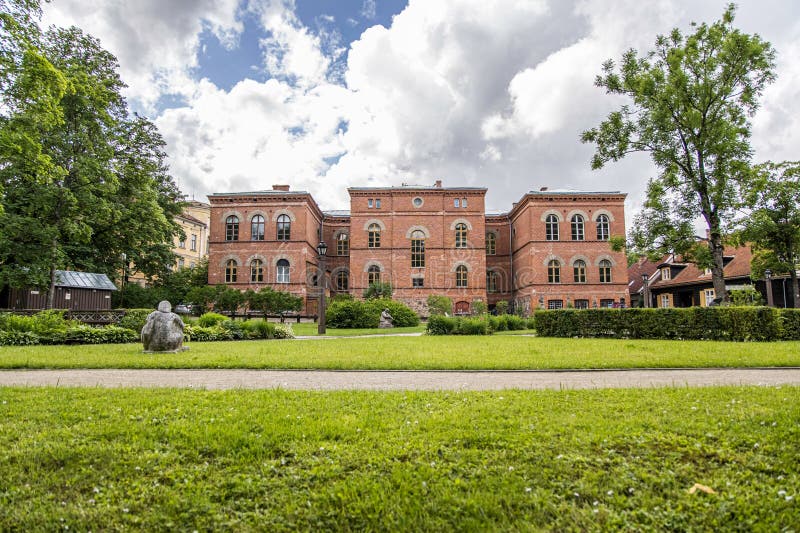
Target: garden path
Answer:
pixel 401 380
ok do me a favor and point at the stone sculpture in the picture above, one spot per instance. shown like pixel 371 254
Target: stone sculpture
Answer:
pixel 163 331
pixel 386 320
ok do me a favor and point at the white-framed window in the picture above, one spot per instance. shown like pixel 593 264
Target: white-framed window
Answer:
pixel 555 304
pixel 665 300
pixel 461 235
pixel 282 271
pixel 256 271
pixel 377 203
pixel 577 228
pixel 553 271
pixel 456 202
pixel 602 228
pixel 579 271
pixel 709 295
pixel 551 228
pixel 417 249
pixel 194 243
pixel 605 271
pixel 257 225
pixel 369 203
pixel 666 273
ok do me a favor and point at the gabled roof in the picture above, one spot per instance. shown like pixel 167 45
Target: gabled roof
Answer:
pixel 737 267
pixel 642 266
pixel 83 280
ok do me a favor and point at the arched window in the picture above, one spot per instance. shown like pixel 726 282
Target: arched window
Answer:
pixel 257 228
pixel 491 243
pixel 343 244
pixel 579 271
pixel 374 236
pixel 282 271
pixel 602 228
pixel 605 271
pixel 417 249
pixel 256 271
pixel 461 276
pixel 284 228
pixel 553 272
pixel 373 274
pixel 577 228
pixel 461 235
pixel 230 271
pixel 342 280
pixel 551 228
pixel 232 228
pixel 491 281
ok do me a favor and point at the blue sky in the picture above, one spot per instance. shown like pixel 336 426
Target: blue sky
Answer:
pixel 325 95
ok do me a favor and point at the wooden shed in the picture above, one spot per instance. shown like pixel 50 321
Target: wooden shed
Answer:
pixel 84 291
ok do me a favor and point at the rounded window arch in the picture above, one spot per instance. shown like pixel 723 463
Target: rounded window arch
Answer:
pixel 373 274
pixel 553 271
pixel 603 225
pixel 577 223
pixel 605 271
pixel 343 244
pixel 282 271
pixel 284 228
pixel 491 281
pixel 257 228
pixel 374 235
pixel 342 281
pixel 232 228
pixel 461 235
pixel 551 227
pixel 491 243
pixel 256 271
pixel 417 249
pixel 579 271
pixel 231 266
pixel 461 276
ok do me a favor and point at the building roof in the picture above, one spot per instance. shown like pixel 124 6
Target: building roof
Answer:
pixel 736 266
pixel 408 187
pixel 83 280
pixel 337 213
pixel 257 193
pixel 635 271
pixel 569 192
pixel 190 218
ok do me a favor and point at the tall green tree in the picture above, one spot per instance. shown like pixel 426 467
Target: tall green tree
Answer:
pixel 690 103
pixel 772 226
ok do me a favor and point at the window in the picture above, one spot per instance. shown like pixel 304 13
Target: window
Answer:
pixel 709 296
pixel 417 202
pixel 282 271
pixel 181 262
pixel 369 203
pixel 666 273
pixel 230 271
pixel 602 228
pixel 463 202
pixel 373 274
pixel 579 271
pixel 551 228
pixel 456 202
pixel 417 249
pixel 491 243
pixel 232 228
pixel 461 235
pixel 284 228
pixel 461 276
pixel 581 304
pixel 343 244
pixel 377 203
pixel 555 304
pixel 553 271
pixel 194 243
pixel 577 227
pixel 606 303
pixel 605 271
pixel 257 228
pixel 491 281
pixel 665 300
pixel 192 265
pixel 417 282
pixel 342 280
pixel 182 243
pixel 256 271
pixel 374 236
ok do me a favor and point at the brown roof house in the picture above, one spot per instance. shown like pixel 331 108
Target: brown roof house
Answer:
pixel 84 291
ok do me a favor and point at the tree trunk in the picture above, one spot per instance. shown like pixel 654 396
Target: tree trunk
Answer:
pixel 717 269
pixel 51 292
pixel 795 288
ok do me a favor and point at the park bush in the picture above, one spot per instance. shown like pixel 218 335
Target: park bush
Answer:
pixel 207 320
pixel 97 335
pixel 258 329
pixel 349 314
pixel 697 323
pixel 135 318
pixel 446 325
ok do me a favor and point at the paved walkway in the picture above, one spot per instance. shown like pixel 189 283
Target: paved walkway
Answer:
pixel 400 380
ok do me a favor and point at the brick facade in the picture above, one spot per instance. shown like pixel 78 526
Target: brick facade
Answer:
pixel 424 240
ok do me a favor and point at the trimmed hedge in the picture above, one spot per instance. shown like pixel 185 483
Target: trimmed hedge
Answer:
pixel 351 314
pixel 482 325
pixel 134 319
pixel 691 323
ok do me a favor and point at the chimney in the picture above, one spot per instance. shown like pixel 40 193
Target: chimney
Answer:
pixel 284 188
pixel 543 189
pixel 438 184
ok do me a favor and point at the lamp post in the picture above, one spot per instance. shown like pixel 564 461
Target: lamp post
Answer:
pixel 768 278
pixel 322 249
pixel 122 282
pixel 646 290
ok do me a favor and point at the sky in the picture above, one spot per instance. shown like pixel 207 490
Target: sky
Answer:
pixel 328 94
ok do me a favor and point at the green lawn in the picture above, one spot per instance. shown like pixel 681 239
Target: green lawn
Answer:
pixel 310 328
pixel 495 352
pixel 164 460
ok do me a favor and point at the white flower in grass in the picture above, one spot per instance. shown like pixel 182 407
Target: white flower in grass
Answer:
pixel 781 493
pixel 527 489
pixel 125 510
pixel 610 493
pixel 510 468
pixel 96 490
pixel 595 503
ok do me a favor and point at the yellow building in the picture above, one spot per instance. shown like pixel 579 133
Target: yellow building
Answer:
pixel 194 220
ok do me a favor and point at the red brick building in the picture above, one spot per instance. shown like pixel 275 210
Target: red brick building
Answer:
pixel 550 250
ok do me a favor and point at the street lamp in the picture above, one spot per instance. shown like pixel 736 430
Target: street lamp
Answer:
pixel 646 290
pixel 768 277
pixel 322 249
pixel 124 257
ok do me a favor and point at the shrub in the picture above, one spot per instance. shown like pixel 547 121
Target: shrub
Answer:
pixel 259 329
pixel 479 307
pixel 445 325
pixel 501 307
pixel 473 326
pixel 208 320
pixel 103 335
pixel 366 314
pixel 790 324
pixel 441 325
pixel 378 290
pixel 402 315
pixel 135 319
pixel 234 329
pixel 439 305
pixel 18 338
pixel 283 331
pixel 206 333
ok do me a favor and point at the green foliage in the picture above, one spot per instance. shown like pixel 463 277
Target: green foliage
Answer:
pixel 445 325
pixel 19 338
pixel 134 319
pixel 259 329
pixel 746 297
pixel 479 307
pixel 366 313
pixel 202 297
pixel 98 335
pixel 272 302
pixel 228 299
pixel 230 330
pixel 501 307
pixel 378 290
pixel 689 103
pixel 211 319
pixel 701 323
pixel 439 305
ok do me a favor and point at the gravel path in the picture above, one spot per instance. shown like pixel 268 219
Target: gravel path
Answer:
pixel 400 380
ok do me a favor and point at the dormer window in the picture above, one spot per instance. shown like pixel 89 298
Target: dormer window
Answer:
pixel 666 273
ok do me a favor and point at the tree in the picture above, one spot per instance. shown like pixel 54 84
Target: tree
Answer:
pixel 228 299
pixel 439 305
pixel 378 290
pixel 691 100
pixel 772 227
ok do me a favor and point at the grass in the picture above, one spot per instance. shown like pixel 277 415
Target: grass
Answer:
pixel 424 353
pixel 310 328
pixel 163 460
